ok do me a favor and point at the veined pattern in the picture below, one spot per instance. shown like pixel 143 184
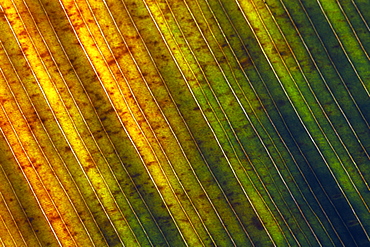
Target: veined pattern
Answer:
pixel 184 123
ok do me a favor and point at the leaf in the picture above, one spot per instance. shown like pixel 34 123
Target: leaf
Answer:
pixel 184 123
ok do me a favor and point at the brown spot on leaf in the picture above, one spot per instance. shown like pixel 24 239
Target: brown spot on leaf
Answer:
pixel 150 163
pixel 284 53
pixel 111 62
pixel 245 62
pixel 88 167
pixel 336 196
pixel 280 102
pixel 24 32
pixel 257 223
pixel 54 218
pixel 353 223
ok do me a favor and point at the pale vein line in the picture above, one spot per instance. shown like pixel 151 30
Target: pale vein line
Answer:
pixel 360 14
pixel 182 150
pixel 150 125
pixel 322 109
pixel 124 98
pixel 8 231
pixel 238 102
pixel 278 132
pixel 343 48
pixel 333 96
pixel 353 30
pixel 101 124
pixel 2 242
pixel 39 178
pixel 90 101
pixel 291 136
pixel 47 159
pixel 311 91
pixel 12 30
pixel 13 219
pixel 317 101
pixel 98 169
pixel 126 81
pixel 26 178
pixel 153 132
pixel 140 223
pixel 207 123
pixel 232 129
pixel 306 80
pixel 218 120
pixel 233 133
pixel 136 148
pixel 46 132
pixel 20 205
pixel 239 142
pixel 87 126
pixel 255 114
pixel 267 114
pixel 241 106
pixel 348 58
pixel 41 149
pixel 199 150
pixel 301 212
pixel 170 125
pixel 334 66
pixel 294 108
pixel 74 125
pixel 64 135
pixel 313 115
pixel 167 46
pixel 110 141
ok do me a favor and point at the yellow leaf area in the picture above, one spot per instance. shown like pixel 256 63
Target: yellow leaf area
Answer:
pixel 76 79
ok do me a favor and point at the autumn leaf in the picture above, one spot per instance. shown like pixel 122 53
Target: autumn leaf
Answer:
pixel 184 123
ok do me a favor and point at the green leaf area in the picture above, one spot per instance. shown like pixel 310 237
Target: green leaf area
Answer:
pixel 184 123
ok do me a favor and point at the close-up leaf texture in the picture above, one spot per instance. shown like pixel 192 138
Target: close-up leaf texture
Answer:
pixel 184 123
